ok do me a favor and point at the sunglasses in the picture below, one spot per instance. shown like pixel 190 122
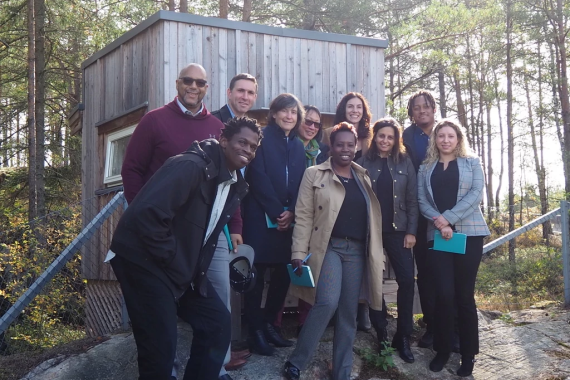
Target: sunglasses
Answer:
pixel 308 123
pixel 199 82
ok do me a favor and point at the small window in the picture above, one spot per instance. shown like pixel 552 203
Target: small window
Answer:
pixel 116 147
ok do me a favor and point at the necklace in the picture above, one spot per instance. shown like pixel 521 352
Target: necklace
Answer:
pixel 343 179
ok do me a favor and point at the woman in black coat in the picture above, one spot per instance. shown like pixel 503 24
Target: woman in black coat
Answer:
pixel 274 177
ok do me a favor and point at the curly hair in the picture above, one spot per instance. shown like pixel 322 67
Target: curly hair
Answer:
pixel 343 127
pixel 398 152
pixel 234 126
pixel 425 93
pixel 363 127
pixel 461 150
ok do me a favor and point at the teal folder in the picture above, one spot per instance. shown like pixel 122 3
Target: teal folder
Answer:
pixel 456 244
pixel 306 279
pixel 270 224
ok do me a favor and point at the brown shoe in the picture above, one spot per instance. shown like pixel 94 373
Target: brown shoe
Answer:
pixel 235 364
pixel 243 354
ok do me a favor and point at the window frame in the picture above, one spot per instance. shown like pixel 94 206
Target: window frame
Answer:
pixel 110 138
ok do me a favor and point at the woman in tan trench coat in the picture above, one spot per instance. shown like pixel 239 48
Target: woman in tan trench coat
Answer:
pixel 338 220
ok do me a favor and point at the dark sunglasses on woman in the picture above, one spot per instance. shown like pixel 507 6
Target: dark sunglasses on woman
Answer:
pixel 308 123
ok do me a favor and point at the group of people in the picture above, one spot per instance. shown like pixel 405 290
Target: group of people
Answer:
pixel 341 195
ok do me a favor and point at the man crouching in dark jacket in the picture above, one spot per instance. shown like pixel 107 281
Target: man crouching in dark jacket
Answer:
pixel 164 243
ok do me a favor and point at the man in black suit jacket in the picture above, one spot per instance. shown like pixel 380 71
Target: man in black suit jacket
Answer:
pixel 241 97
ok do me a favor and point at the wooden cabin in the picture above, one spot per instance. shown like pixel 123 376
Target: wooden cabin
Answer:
pixel 137 72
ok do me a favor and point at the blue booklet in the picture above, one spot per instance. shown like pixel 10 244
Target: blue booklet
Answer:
pixel 305 279
pixel 456 244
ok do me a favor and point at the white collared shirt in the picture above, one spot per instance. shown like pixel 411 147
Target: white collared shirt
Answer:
pixel 187 111
pixel 219 203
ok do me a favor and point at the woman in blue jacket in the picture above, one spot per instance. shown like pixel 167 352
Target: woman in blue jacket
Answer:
pixel 274 177
pixel 450 190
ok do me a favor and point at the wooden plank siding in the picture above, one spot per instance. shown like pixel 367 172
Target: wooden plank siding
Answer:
pixel 145 66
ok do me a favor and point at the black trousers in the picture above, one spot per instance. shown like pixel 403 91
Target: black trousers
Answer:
pixel 454 276
pixel 276 294
pixel 154 313
pixel 425 277
pixel 403 263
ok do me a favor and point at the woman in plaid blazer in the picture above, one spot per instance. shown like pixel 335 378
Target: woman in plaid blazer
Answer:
pixel 450 189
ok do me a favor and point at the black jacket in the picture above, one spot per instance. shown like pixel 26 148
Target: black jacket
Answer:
pixel 223 114
pixel 163 229
pixel 274 176
pixel 324 155
pixel 405 190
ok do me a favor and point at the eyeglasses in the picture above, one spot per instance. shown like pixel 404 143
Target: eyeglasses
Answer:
pixel 308 123
pixel 199 82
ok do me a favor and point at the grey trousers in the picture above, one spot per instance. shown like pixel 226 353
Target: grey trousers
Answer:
pixel 219 275
pixel 338 290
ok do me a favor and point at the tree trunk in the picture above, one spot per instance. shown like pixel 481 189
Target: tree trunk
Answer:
pixel 32 158
pixel 510 136
pixel 247 8
pixel 502 171
pixel 471 128
pixel 171 6
pixel 563 90
pixel 224 8
pixel 183 6
pixel 442 103
pixel 40 11
pixel 546 227
pixel 461 114
pixel 490 203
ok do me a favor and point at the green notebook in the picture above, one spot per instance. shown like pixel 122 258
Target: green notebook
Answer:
pixel 456 244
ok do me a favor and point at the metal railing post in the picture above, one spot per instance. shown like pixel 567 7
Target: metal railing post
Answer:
pixel 565 250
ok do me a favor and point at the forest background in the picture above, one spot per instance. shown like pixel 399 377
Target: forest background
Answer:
pixel 499 67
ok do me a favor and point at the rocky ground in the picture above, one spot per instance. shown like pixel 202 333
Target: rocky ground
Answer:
pixel 527 344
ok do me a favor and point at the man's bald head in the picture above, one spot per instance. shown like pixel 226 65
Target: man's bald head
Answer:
pixel 193 67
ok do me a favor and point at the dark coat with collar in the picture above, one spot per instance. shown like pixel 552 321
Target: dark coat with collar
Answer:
pixel 405 189
pixel 324 154
pixel 223 114
pixel 274 176
pixel 409 143
pixel 163 229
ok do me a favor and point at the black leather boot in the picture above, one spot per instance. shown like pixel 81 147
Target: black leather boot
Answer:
pixel 363 318
pixel 259 345
pixel 274 337
pixel 402 344
pixel 382 336
pixel 467 364
pixel 437 364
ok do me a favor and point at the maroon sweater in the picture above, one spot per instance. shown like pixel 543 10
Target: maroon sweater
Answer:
pixel 161 134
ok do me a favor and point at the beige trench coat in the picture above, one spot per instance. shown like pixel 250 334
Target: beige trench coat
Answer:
pixel 320 197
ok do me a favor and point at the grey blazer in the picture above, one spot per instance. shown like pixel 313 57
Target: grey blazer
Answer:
pixel 466 215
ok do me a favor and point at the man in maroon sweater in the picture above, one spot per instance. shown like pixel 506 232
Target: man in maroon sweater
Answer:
pixel 171 130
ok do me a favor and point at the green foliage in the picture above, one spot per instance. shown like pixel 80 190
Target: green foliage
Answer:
pixel 535 276
pixel 382 360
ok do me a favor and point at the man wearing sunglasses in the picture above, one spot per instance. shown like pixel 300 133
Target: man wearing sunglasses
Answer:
pixel 241 97
pixel 169 130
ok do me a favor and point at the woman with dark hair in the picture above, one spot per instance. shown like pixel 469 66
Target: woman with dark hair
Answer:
pixel 450 189
pixel 274 176
pixel 310 133
pixel 354 109
pixel 394 182
pixel 338 216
